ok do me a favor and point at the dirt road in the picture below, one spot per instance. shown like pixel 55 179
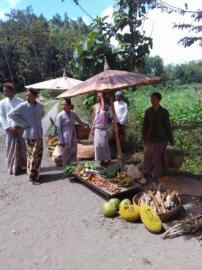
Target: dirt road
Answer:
pixel 57 226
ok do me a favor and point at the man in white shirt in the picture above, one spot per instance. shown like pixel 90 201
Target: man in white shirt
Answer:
pixel 121 109
pixel 15 144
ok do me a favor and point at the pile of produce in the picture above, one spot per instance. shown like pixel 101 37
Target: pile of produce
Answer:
pixel 99 181
pixel 123 180
pixel 69 169
pixel 52 143
pixel 110 179
pixel 161 202
pixel 82 169
pixel 132 213
pixel 52 139
pixel 189 226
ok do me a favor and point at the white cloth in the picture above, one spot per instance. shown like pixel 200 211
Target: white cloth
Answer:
pixel 121 110
pixel 6 105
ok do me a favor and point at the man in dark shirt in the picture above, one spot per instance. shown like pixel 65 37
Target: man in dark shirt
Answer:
pixel 156 133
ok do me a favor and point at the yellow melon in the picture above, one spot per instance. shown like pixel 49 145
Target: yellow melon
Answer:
pixel 150 219
pixel 129 212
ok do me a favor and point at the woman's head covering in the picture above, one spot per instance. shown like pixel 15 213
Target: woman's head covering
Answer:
pixel 66 101
pixel 119 93
pixel 33 91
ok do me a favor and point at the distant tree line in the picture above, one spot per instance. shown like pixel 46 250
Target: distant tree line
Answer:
pixel 33 49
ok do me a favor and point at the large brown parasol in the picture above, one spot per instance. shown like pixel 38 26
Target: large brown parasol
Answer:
pixel 109 81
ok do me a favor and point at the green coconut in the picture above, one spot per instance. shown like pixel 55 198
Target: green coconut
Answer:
pixel 109 209
pixel 115 201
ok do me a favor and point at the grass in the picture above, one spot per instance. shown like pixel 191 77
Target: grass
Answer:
pixel 183 103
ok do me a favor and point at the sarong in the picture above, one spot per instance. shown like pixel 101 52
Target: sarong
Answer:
pixel 153 164
pixel 70 152
pixel 101 144
pixel 34 158
pixel 16 152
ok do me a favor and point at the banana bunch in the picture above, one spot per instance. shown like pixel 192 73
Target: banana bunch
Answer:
pixel 123 180
pixel 52 141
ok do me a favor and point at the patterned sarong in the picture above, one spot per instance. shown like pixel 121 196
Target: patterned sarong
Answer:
pixel 16 152
pixel 34 158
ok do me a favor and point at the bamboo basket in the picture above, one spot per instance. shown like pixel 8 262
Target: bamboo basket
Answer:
pixel 174 158
pixel 82 132
pixel 163 216
pixel 85 151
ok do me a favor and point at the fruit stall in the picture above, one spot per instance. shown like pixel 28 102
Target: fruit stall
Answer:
pixel 129 196
pixel 108 181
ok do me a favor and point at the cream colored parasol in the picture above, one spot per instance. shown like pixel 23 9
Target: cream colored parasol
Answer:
pixel 62 83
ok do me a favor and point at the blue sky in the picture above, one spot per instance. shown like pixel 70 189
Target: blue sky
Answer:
pixel 50 7
pixel 157 25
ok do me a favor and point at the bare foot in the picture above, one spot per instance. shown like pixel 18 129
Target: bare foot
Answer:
pixel 35 182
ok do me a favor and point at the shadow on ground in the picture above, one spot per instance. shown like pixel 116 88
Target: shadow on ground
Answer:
pixel 47 178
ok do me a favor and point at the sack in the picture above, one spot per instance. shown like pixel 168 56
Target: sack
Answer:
pixel 85 151
pixel 57 155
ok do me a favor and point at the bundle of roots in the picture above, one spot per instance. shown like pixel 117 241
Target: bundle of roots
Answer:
pixel 190 226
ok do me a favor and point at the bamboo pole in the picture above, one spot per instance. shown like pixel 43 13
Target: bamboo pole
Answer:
pixel 118 144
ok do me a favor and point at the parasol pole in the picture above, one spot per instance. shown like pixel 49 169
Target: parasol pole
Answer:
pixel 116 130
pixel 118 144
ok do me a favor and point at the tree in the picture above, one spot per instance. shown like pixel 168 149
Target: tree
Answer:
pixel 132 44
pixel 195 27
pixel 154 65
pixel 34 49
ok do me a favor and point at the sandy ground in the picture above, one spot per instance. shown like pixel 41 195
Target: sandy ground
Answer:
pixel 57 226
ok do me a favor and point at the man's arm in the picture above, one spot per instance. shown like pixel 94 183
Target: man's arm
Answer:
pixel 18 117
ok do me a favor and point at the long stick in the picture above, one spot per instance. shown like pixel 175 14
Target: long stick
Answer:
pixel 118 144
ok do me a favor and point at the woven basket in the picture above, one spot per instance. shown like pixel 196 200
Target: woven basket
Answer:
pixel 173 158
pixel 163 216
pixel 57 155
pixel 85 151
pixel 82 132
